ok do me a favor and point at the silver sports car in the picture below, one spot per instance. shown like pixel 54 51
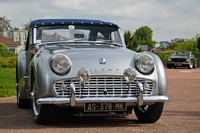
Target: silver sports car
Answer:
pixel 84 67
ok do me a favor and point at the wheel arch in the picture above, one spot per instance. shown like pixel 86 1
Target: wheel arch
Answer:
pixel 162 80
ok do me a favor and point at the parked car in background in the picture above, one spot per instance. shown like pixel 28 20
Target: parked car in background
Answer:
pixel 84 67
pixel 182 58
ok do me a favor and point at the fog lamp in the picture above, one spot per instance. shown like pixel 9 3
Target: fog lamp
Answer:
pixel 83 75
pixel 129 75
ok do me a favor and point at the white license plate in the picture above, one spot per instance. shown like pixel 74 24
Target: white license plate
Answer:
pixel 105 106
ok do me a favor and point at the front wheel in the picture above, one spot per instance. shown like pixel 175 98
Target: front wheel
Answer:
pixel 22 103
pixel 42 113
pixel 195 65
pixel 149 113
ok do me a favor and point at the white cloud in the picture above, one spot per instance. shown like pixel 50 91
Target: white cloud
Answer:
pixel 168 19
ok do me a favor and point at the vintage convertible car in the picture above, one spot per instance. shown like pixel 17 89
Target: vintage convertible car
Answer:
pixel 182 58
pixel 83 66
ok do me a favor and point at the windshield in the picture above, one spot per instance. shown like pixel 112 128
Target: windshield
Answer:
pixel 78 33
pixel 179 53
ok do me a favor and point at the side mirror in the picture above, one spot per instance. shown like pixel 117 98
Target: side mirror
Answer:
pixel 33 48
pixel 198 43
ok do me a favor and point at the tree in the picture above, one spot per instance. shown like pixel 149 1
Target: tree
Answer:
pixel 144 34
pixel 131 41
pixel 26 25
pixel 5 24
pixel 184 44
pixel 4 51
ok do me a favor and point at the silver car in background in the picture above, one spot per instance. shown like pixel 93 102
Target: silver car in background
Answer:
pixel 84 67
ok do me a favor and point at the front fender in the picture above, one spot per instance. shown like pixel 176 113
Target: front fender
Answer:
pixel 39 70
pixel 162 80
pixel 20 73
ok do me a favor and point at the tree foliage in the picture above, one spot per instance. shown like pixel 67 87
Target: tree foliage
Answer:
pixel 131 41
pixel 26 25
pixel 4 51
pixel 144 34
pixel 182 44
pixel 5 24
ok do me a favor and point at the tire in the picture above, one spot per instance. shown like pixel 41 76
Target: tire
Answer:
pixel 21 103
pixel 42 114
pixel 195 65
pixel 151 114
pixel 169 67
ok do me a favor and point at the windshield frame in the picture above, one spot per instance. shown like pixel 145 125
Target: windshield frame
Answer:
pixel 109 28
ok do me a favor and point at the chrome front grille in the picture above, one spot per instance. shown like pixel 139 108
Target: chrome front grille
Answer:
pixel 178 60
pixel 103 87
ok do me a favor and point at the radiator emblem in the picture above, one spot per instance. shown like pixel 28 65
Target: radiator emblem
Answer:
pixel 102 60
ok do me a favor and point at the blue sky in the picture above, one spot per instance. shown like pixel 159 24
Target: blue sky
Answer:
pixel 168 19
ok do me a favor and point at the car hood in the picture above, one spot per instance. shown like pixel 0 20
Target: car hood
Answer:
pixel 115 60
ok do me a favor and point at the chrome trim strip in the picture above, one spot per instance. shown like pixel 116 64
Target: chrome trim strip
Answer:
pixel 52 100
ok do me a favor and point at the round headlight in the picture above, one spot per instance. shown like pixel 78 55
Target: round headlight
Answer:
pixel 60 64
pixel 145 63
pixel 129 75
pixel 83 75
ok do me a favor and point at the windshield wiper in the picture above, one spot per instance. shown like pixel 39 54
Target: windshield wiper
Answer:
pixel 77 39
pixel 109 42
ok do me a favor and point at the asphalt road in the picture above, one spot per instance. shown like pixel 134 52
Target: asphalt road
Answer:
pixel 180 115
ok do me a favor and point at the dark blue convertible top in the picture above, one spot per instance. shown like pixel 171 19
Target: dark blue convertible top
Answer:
pixel 40 22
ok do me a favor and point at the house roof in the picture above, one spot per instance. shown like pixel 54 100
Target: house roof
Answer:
pixel 8 41
pixel 40 22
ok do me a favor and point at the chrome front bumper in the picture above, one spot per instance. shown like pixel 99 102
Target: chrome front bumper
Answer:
pixel 151 99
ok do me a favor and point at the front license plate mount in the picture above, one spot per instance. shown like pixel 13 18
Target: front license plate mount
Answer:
pixel 105 106
pixel 178 64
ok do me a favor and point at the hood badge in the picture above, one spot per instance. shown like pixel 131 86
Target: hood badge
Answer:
pixel 102 60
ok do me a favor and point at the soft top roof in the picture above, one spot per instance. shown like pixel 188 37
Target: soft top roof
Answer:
pixel 40 22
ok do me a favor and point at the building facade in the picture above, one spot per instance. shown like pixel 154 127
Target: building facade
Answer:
pixel 19 36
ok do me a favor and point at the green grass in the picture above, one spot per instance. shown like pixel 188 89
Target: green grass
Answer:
pixel 7 82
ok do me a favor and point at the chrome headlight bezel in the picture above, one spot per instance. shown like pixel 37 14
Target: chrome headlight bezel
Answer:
pixel 145 63
pixel 60 64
